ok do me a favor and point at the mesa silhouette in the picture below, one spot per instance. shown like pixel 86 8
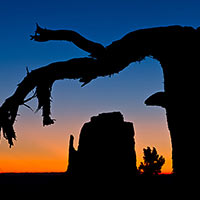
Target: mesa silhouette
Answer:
pixel 106 149
pixel 175 47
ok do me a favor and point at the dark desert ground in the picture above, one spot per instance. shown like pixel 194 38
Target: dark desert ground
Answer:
pixel 61 184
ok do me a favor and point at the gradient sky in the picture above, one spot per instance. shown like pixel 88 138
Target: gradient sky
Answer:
pixel 39 149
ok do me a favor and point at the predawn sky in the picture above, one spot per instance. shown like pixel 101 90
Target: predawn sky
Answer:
pixel 45 149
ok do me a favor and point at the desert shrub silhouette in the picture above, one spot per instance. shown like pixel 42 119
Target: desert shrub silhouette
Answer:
pixel 152 162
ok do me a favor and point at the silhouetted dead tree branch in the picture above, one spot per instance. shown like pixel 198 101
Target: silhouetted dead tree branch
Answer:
pixel 84 69
pixel 42 79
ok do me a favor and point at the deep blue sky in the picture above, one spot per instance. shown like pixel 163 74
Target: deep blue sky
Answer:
pixel 103 21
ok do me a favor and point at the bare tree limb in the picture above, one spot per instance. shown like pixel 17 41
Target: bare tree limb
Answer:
pixel 43 35
pixel 104 61
pixel 42 79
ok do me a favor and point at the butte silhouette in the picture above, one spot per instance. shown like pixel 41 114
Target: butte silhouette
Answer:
pixel 175 47
pixel 106 149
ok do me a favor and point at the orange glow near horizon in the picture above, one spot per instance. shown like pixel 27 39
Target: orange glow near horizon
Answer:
pixel 41 149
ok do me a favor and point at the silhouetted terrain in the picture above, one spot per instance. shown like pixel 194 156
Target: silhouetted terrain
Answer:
pixel 58 184
pixel 103 164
